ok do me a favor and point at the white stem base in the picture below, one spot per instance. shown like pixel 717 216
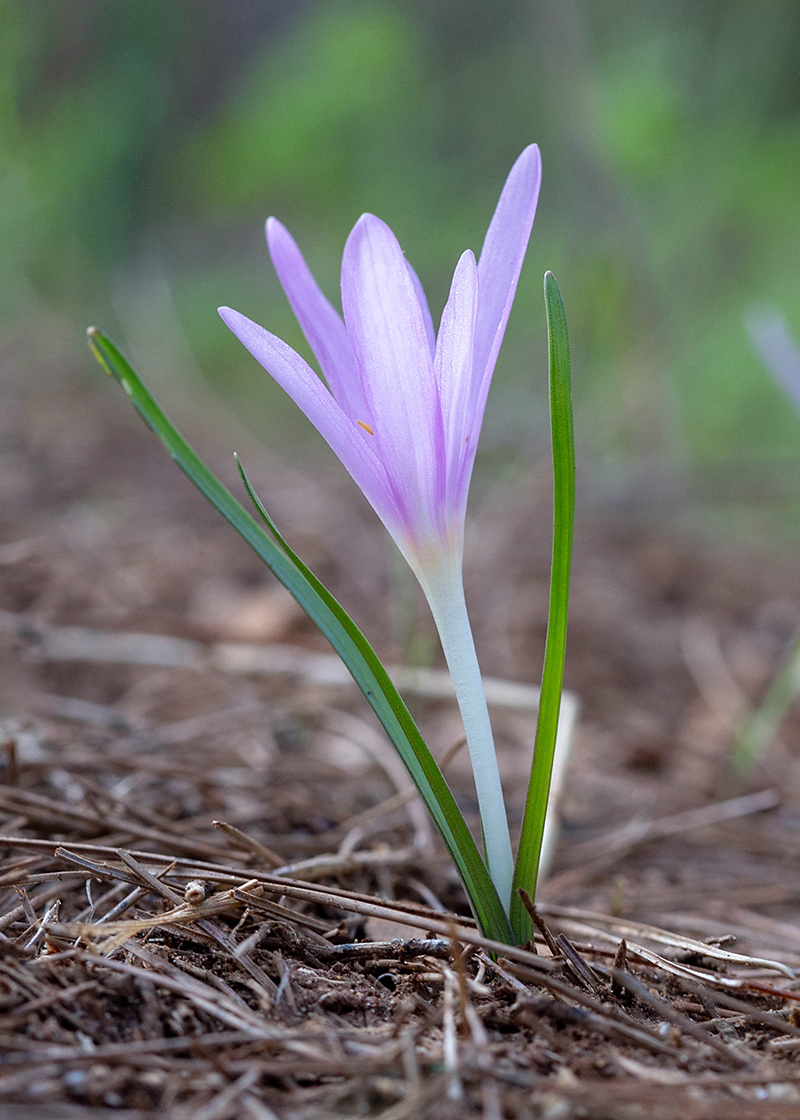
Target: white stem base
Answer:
pixel 445 594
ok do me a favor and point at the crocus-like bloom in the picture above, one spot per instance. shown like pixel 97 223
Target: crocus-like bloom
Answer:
pixel 403 409
pixel 770 334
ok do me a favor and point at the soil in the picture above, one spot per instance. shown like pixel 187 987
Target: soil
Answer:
pixel 217 898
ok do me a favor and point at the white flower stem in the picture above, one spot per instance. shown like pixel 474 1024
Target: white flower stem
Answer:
pixel 445 595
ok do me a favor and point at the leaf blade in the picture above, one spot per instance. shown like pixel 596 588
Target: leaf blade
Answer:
pixel 563 448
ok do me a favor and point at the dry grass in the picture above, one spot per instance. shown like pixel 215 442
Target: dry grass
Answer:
pixel 161 983
pixel 218 897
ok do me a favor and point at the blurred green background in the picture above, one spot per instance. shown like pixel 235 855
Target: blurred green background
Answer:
pixel 143 143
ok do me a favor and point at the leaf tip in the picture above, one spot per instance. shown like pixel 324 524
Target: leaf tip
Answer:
pixel 550 283
pixel 93 337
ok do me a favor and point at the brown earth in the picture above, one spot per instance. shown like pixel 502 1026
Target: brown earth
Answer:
pixel 153 963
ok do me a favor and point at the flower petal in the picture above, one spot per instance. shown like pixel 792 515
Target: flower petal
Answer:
pixel 424 308
pixel 390 341
pixel 299 380
pixel 321 322
pixel 499 268
pixel 770 334
pixel 453 364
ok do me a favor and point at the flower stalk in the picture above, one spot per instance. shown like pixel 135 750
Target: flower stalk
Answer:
pixel 445 595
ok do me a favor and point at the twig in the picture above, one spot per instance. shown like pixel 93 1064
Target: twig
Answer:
pixel 455 1091
pixel 602 1017
pixel 76 643
pixel 221 1104
pixel 587 921
pixel 637 832
pixel 241 840
pixel 48 810
pixel 576 964
pixel 539 923
pixel 754 1014
pixel 58 995
pixel 626 980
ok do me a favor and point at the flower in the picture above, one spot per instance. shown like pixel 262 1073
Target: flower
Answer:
pixel 776 346
pixel 403 409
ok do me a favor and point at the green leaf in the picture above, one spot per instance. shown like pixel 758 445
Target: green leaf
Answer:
pixel 563 446
pixel 762 724
pixel 343 634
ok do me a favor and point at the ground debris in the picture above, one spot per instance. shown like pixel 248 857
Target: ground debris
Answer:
pixel 118 993
pixel 197 835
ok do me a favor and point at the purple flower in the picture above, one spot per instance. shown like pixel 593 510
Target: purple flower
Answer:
pixel 770 334
pixel 403 407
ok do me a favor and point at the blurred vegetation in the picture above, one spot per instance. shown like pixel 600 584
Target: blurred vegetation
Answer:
pixel 143 144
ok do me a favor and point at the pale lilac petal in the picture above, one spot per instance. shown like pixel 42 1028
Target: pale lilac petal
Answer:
pixel 298 379
pixel 453 364
pixel 499 268
pixel 770 334
pixel 426 311
pixel 321 322
pixel 389 339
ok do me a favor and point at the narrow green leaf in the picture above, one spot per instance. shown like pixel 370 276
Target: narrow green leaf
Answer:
pixel 343 634
pixel 563 446
pixel 762 724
